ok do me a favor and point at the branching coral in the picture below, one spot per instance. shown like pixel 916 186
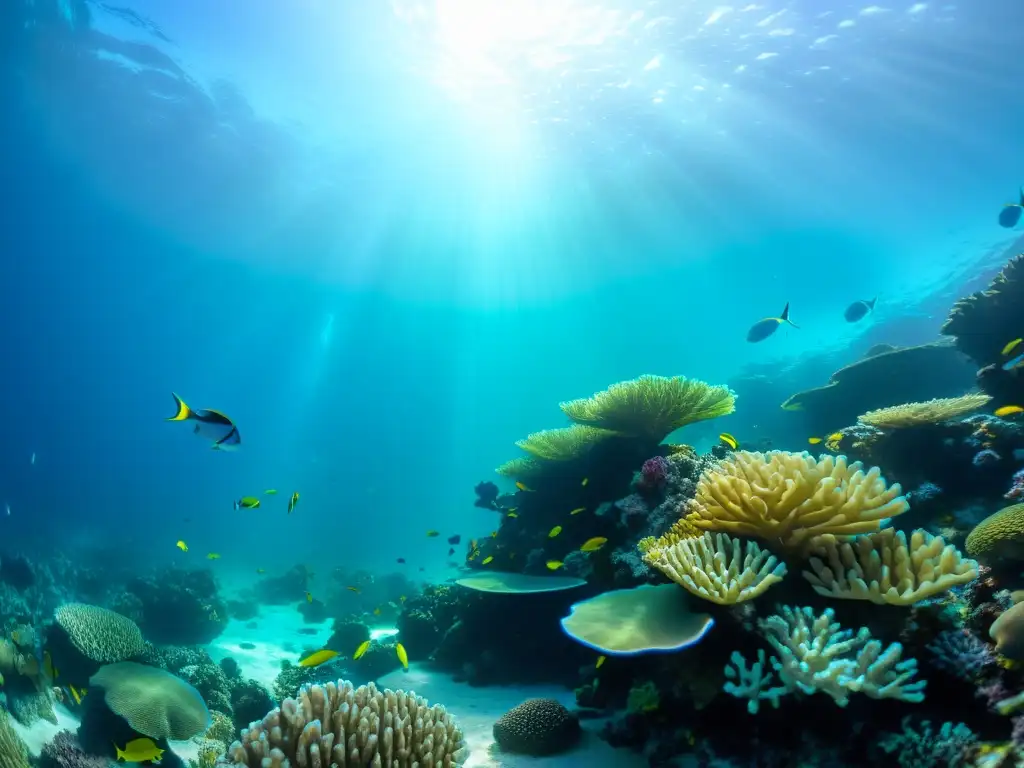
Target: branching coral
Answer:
pixel 717 567
pixel 564 443
pixel 789 498
pixel 652 406
pixel 884 567
pixel 753 683
pixel 364 726
pixel 928 412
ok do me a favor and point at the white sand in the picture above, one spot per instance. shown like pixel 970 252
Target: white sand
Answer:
pixel 43 731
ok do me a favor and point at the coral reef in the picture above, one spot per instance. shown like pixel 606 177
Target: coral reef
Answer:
pixel 537 727
pixel 64 751
pixel 928 412
pixel 13 753
pixel 179 607
pixel 154 702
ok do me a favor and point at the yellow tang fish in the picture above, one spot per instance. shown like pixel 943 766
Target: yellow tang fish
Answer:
pixel 523 487
pixel 182 545
pixel 247 502
pixel 729 440
pixel 600 660
pixel 270 492
pixel 594 544
pixel 578 510
pixel 403 657
pixel 554 531
pixel 488 559
pixel 353 589
pixel 1008 410
pixel 432 534
pixel 512 514
pixel 309 597
pixel 363 648
pixel 585 481
pixel 293 502
pixel 554 565
pixel 318 658
pixel 1011 346
pixel 814 440
pixel 213 556
pixel 139 751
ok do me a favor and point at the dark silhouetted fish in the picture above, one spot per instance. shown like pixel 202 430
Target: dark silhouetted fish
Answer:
pixel 762 329
pixel 1010 215
pixel 454 539
pixel 859 310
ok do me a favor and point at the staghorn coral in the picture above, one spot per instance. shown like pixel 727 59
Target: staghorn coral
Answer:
pixel 651 406
pixel 927 412
pixel 98 634
pixel 717 567
pixel 367 727
pixel 884 568
pixel 1000 535
pixel 753 683
pixel 153 701
pixel 789 498
pixel 564 443
pixel 13 753
pixel 949 746
pixel 537 727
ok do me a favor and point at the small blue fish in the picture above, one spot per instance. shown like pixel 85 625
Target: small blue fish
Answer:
pixel 859 310
pixel 1016 362
pixel 762 329
pixel 1010 215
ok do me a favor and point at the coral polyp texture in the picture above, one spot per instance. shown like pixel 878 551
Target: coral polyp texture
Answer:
pixel 98 634
pixel 717 567
pixel 885 568
pixel 789 498
pixel 651 406
pixel 1000 535
pixel 341 726
pixel 521 468
pixel 537 727
pixel 153 701
pixel 564 443
pixel 928 412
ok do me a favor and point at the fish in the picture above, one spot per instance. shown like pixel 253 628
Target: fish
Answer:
pixel 309 597
pixel 270 492
pixel 362 649
pixel 594 544
pixel 523 487
pixel 77 693
pixel 554 565
pixel 400 561
pixel 600 660
pixel 182 545
pixel 494 534
pixel 585 481
pixel 1010 346
pixel 859 310
pixel 318 658
pixel 488 559
pixel 451 551
pixel 51 671
pixel 247 502
pixel 142 750
pixel 432 534
pixel 213 556
pixel 261 570
pixel 209 424
pixel 32 461
pixel 762 329
pixel 454 539
pixel 353 589
pixel 554 531
pixel 403 657
pixel 729 440
pixel 814 440
pixel 577 510
pixel 1008 410
pixel 376 611
pixel 1017 362
pixel 402 598
pixel 1010 215
pixel 293 502
pixel 512 514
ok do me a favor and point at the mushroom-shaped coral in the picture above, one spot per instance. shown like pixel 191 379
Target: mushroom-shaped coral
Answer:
pixel 98 634
pixel 564 443
pixel 505 583
pixel 789 498
pixel 716 567
pixel 522 468
pixel 885 568
pixel 537 727
pixel 928 412
pixel 153 701
pixel 651 406
pixel 364 727
pixel 1000 535
pixel 645 619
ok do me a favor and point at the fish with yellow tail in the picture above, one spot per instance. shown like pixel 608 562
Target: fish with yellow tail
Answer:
pixel 361 650
pixel 318 658
pixel 523 487
pixel 293 502
pixel 1008 410
pixel 403 657
pixel 554 531
pixel 77 694
pixel 142 750
pixel 729 441
pixel 487 560
pixel 208 424
pixel 554 565
pixel 594 544
pixel 762 329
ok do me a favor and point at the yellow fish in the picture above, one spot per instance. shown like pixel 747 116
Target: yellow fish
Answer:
pixel 523 487
pixel 578 510
pixel 139 751
pixel 554 531
pixel 403 657
pixel 182 546
pixel 1008 410
pixel 77 693
pixel 432 534
pixel 488 559
pixel 353 589
pixel 513 509
pixel 585 481
pixel 309 597
pixel 594 544
pixel 729 440
pixel 813 440
pixel 261 570
pixel 554 565
pixel 51 671
pixel 293 502
pixel 213 556
pixel 270 492
pixel 376 611
pixel 247 502
pixel 1011 346
pixel 494 534
pixel 600 660
pixel 318 658
pixel 363 648
pixel 512 514
pixel 401 598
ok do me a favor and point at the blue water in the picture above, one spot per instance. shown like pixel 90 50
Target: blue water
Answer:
pixel 387 239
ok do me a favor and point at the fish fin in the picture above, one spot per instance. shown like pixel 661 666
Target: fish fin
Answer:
pixel 784 317
pixel 183 410
pixel 872 302
pixel 1022 197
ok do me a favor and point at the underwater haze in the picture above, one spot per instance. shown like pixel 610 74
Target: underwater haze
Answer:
pixel 387 239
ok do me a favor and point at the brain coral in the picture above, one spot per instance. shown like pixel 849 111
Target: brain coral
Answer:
pixel 99 634
pixel 999 535
pixel 153 701
pixel 537 727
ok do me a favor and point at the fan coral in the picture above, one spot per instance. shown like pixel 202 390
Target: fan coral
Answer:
pixel 717 567
pixel 789 498
pixel 564 443
pixel 153 701
pixel 883 568
pixel 537 727
pixel 98 634
pixel 928 412
pixel 367 727
pixel 651 406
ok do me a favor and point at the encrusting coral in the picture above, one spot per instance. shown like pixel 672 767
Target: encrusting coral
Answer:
pixel 717 567
pixel 998 535
pixel 789 498
pixel 927 412
pixel 885 568
pixel 564 443
pixel 364 727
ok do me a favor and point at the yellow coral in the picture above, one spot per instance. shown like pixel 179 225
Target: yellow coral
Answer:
pixel 681 529
pixel 521 468
pixel 717 567
pixel 565 443
pixel 789 498
pixel 998 535
pixel 928 412
pixel 651 406
pixel 884 568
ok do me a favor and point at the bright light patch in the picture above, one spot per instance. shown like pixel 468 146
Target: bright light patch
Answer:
pixel 382 633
